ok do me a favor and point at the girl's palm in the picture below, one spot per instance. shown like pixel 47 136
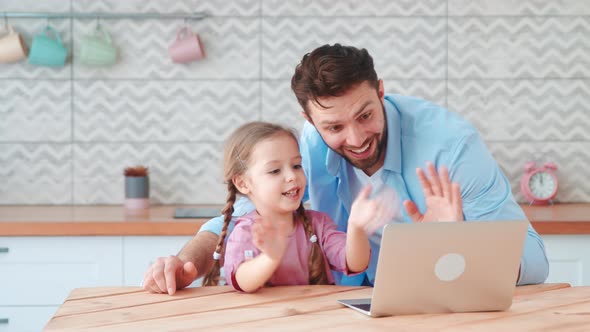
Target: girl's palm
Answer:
pixel 269 238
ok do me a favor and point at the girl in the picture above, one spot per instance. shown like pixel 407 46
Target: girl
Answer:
pixel 281 243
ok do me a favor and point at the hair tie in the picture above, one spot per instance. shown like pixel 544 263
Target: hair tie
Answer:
pixel 216 255
pixel 313 239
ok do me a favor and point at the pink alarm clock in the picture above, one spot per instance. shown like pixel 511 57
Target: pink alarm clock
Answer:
pixel 539 185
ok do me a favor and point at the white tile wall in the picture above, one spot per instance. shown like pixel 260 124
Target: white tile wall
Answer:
pixel 518 70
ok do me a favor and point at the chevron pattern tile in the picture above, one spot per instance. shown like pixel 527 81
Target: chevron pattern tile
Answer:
pixel 51 6
pixel 518 70
pixel 519 48
pixel 401 47
pixel 511 7
pixel 35 173
pixel 28 29
pixel 35 111
pixel 162 111
pixel 231 46
pixel 280 105
pixel 353 8
pixel 212 7
pixel 571 158
pixel 432 90
pixel 179 173
pixel 524 110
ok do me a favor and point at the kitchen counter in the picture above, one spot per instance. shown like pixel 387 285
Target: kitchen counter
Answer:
pixel 82 220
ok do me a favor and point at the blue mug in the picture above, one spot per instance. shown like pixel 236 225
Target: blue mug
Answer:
pixel 48 51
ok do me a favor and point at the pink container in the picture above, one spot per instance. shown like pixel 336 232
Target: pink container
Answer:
pixel 187 47
pixel 137 203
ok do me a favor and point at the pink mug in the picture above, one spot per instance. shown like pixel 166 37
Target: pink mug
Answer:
pixel 12 47
pixel 187 47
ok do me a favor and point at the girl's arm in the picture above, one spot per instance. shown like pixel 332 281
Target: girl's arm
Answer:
pixel 270 237
pixel 358 249
pixel 366 216
pixel 253 274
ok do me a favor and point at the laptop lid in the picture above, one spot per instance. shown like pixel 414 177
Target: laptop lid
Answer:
pixel 446 267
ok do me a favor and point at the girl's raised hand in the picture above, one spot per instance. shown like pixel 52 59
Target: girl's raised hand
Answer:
pixel 269 237
pixel 371 213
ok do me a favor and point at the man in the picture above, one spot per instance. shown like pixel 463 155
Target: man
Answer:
pixel 354 135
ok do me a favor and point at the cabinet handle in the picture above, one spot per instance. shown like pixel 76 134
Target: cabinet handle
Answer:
pixel 3 320
pixel 4 250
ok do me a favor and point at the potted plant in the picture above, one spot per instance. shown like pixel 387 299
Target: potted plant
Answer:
pixel 137 187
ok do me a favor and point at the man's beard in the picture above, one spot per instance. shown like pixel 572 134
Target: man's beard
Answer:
pixel 368 163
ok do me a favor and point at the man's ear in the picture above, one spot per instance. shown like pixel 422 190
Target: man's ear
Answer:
pixel 240 183
pixel 381 90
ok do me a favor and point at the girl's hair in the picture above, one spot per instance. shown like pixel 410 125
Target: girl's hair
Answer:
pixel 237 153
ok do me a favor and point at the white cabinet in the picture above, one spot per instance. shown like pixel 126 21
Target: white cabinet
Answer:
pixel 569 258
pixel 38 273
pixel 25 319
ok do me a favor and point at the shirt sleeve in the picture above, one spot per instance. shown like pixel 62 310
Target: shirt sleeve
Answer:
pixel 239 248
pixel 487 195
pixel 242 207
pixel 333 243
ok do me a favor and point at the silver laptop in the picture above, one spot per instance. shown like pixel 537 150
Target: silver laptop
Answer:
pixel 441 267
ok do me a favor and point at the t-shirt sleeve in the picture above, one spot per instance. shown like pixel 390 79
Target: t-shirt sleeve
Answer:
pixel 239 248
pixel 333 242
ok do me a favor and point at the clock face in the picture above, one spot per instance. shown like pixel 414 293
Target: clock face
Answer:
pixel 542 184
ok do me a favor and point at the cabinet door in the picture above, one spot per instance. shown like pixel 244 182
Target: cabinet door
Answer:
pixel 44 270
pixel 139 252
pixel 25 319
pixel 569 259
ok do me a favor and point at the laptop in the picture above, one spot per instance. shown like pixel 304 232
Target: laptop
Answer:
pixel 439 267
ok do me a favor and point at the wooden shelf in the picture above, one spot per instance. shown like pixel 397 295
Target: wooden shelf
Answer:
pixel 567 218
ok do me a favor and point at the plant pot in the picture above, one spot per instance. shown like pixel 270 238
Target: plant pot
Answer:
pixel 137 192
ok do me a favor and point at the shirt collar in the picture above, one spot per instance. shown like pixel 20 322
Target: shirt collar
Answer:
pixel 393 155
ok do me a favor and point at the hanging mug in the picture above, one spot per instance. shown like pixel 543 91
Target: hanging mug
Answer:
pixel 12 46
pixel 98 49
pixel 187 47
pixel 48 51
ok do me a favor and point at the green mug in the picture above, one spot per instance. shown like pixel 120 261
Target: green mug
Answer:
pixel 48 51
pixel 98 49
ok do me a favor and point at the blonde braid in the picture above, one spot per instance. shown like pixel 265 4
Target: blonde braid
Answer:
pixel 212 278
pixel 318 274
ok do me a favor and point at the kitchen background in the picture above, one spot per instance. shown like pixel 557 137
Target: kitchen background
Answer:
pixel 518 70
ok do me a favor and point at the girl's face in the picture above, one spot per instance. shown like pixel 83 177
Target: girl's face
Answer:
pixel 274 180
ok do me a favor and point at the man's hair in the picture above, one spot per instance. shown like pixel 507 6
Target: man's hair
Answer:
pixel 330 71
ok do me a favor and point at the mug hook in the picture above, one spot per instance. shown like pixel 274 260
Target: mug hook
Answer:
pixel 98 23
pixel 47 21
pixel 5 20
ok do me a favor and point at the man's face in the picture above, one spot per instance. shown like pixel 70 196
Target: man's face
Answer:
pixel 353 125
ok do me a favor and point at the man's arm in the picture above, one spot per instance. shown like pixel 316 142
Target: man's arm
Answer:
pixel 199 251
pixel 167 274
pixel 487 195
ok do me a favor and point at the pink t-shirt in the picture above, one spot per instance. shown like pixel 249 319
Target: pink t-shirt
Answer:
pixel 294 268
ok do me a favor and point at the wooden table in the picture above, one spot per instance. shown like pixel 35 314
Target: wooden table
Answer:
pixel 554 307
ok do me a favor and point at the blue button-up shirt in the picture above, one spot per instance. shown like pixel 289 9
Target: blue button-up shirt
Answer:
pixel 418 131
